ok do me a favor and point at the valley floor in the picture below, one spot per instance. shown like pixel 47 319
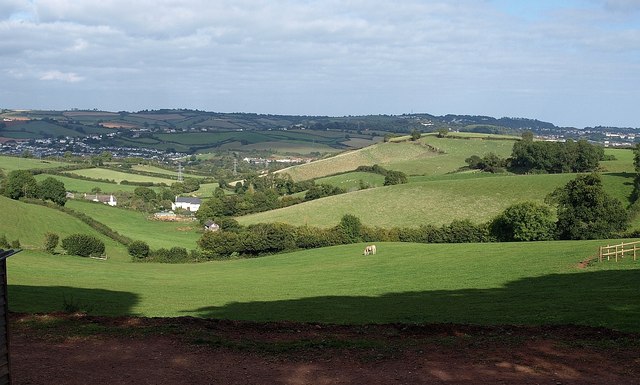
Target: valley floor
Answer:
pixel 77 349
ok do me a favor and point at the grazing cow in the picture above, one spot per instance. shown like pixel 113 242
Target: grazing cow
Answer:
pixel 371 249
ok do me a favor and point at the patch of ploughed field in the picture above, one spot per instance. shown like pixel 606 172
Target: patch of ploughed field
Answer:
pixel 81 349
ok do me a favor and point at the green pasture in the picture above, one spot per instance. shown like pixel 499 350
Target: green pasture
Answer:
pixel 434 202
pixel 85 186
pixel 157 170
pixel 478 135
pixel 622 163
pixel 119 176
pixel 206 190
pixel 351 181
pixel 408 157
pixel 29 223
pixel 486 284
pixel 11 163
pixel 140 226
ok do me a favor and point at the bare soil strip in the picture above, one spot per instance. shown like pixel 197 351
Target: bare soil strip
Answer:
pixel 78 349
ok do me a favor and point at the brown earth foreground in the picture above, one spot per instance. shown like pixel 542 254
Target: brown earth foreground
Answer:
pixel 78 349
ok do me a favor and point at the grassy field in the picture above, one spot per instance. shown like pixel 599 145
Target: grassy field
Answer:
pixel 10 163
pixel 408 157
pixel 509 283
pixel 351 180
pixel 29 224
pixel 85 186
pixel 117 176
pixel 138 226
pixel 171 173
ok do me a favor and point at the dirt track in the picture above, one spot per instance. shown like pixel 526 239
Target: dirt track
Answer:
pixel 63 349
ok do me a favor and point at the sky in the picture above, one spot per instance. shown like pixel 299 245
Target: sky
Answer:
pixel 572 63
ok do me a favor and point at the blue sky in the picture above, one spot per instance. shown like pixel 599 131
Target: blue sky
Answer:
pixel 573 63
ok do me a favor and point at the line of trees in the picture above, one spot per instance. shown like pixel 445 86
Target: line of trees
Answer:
pixel 22 184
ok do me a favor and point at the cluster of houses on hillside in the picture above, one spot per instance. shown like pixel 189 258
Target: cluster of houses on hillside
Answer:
pixel 266 161
pixel 80 146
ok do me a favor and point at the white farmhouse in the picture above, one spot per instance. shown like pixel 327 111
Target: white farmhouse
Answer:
pixel 187 203
pixel 106 199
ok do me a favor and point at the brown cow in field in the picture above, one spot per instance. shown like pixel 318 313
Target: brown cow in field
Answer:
pixel 369 250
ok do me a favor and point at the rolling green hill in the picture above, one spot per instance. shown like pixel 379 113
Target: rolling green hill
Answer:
pixel 10 163
pixel 409 157
pixel 29 223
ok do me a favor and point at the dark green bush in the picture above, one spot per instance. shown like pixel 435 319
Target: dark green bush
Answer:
pixel 4 244
pixel 83 245
pixel 138 249
pixel 51 242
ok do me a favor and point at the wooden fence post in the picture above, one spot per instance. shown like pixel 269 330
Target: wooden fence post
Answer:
pixel 600 254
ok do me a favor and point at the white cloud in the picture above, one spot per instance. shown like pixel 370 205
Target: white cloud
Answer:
pixel 69 77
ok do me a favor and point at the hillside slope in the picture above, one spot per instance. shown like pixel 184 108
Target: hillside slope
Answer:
pixel 29 223
pixel 429 156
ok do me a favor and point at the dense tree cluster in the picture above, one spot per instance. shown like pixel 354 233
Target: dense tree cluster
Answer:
pixel 391 177
pixel 586 211
pixel 22 184
pixel 489 162
pixel 528 156
pixel 555 157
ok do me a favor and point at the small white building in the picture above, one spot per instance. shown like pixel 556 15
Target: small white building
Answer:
pixel 106 199
pixel 186 203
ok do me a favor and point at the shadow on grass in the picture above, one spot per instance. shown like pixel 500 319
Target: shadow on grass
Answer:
pixel 608 299
pixel 45 299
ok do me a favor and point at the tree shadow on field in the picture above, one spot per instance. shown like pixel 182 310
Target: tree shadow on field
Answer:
pixel 46 299
pixel 603 298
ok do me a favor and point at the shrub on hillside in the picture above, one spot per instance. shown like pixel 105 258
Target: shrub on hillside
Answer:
pixel 312 237
pixel 220 243
pixel 4 244
pixel 265 238
pixel 51 242
pixel 173 255
pixel 527 221
pixel 395 177
pixel 138 249
pixel 83 245
pixel 350 227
